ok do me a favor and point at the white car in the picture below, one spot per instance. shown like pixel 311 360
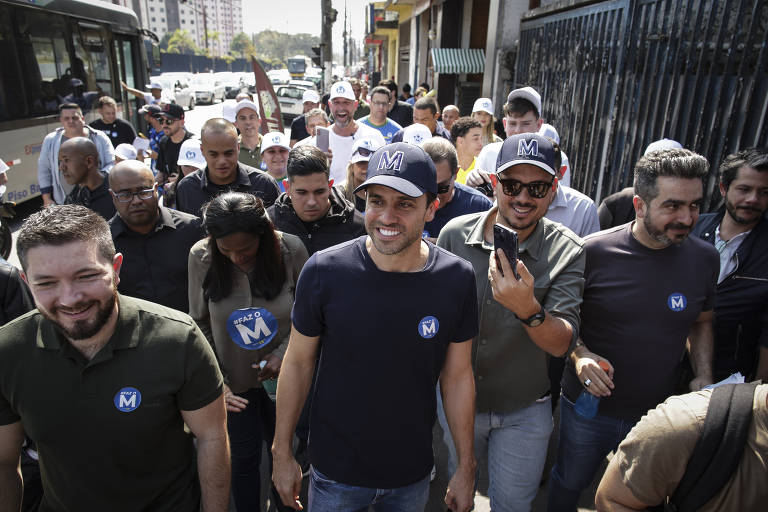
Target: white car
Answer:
pixel 233 84
pixel 304 84
pixel 177 88
pixel 208 89
pixel 289 97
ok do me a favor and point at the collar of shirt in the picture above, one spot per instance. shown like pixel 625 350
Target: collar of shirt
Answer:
pixel 165 219
pixel 241 179
pixel 256 150
pixel 531 245
pixel 560 200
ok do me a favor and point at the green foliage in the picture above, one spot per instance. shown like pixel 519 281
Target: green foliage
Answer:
pixel 181 42
pixel 271 46
pixel 164 41
pixel 242 46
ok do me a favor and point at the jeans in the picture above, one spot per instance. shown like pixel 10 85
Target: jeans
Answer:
pixel 516 445
pixel 248 429
pixel 583 445
pixel 326 495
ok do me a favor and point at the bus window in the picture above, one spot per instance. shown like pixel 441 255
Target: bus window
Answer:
pixel 12 103
pixel 44 58
pixel 91 64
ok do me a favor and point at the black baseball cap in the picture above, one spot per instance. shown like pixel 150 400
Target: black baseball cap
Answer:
pixel 528 148
pixel 172 111
pixel 150 109
pixel 403 167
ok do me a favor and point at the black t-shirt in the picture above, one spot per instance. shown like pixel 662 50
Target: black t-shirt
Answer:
pixel 98 200
pixel 299 128
pixel 402 114
pixel 384 337
pixel 639 306
pixel 168 154
pixel 119 131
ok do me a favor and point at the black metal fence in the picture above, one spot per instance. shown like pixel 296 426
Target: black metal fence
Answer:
pixel 617 75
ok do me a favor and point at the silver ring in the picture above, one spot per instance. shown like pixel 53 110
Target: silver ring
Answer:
pixel 587 382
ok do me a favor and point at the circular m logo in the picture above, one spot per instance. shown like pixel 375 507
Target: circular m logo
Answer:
pixel 428 327
pixel 251 328
pixel 677 302
pixel 127 399
pixel 190 154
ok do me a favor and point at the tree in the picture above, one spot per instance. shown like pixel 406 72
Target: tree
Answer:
pixel 181 42
pixel 242 45
pixel 164 41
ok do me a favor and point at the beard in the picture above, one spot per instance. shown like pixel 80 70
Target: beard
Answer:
pixel 734 210
pixel 394 247
pixel 84 329
pixel 660 234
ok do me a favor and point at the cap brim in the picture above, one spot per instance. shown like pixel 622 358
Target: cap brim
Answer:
pixel 394 182
pixel 538 164
pixel 359 158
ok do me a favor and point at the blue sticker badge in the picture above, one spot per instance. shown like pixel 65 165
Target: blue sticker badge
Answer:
pixel 428 327
pixel 128 399
pixel 251 328
pixel 677 302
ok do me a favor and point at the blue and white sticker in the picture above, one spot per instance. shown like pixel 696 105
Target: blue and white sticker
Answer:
pixel 677 302
pixel 251 328
pixel 428 327
pixel 128 399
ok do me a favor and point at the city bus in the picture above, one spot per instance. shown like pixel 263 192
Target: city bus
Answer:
pixel 297 65
pixel 61 51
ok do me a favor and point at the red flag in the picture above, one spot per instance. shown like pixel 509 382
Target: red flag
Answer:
pixel 268 103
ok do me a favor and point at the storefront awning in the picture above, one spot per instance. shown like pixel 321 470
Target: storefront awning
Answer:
pixel 458 60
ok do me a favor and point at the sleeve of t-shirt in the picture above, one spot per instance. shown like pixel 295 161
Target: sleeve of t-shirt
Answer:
pixel 270 191
pixel 307 314
pixel 653 457
pixel 605 215
pixel 7 415
pixel 468 326
pixel 713 262
pixel 203 382
pixel 161 165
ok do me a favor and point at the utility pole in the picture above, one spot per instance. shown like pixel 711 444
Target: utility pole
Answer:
pixel 326 36
pixel 344 36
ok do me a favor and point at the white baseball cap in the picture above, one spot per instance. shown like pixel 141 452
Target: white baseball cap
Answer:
pixel 191 154
pixel 342 89
pixel 126 151
pixel 483 105
pixel 240 105
pixel 273 139
pixel 310 95
pixel 662 144
pixel 363 148
pixel 228 112
pixel 547 130
pixel 416 134
pixel 155 85
pixel 527 93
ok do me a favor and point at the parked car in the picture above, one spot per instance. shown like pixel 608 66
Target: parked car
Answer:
pixel 177 89
pixel 304 84
pixel 233 85
pixel 289 97
pixel 208 88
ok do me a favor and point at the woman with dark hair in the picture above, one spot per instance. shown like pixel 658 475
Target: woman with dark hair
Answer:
pixel 242 279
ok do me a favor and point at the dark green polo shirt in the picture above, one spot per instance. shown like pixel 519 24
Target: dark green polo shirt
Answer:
pixel 250 157
pixel 108 431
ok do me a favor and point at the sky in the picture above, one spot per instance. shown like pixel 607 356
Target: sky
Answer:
pixel 302 16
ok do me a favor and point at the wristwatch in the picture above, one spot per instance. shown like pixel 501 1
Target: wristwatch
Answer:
pixel 536 319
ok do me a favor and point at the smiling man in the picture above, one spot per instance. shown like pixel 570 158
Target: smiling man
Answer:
pixel 522 321
pixel 649 291
pixel 312 208
pixel 142 230
pixel 274 154
pixel 105 383
pixel 374 402
pixel 223 172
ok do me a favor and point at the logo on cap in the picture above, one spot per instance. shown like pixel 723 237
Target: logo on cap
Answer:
pixel 276 139
pixel 677 302
pixel 190 155
pixel 391 162
pixel 428 327
pixel 487 104
pixel 251 328
pixel 340 89
pixel 127 399
pixel 528 148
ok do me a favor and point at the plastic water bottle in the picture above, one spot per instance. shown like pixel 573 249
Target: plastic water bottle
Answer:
pixel 587 403
pixel 269 385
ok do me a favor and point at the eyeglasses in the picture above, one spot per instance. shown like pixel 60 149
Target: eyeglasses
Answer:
pixel 537 189
pixel 166 121
pixel 126 197
pixel 364 152
pixel 443 188
pixel 380 103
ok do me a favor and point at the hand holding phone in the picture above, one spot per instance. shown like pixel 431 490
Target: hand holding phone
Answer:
pixel 322 138
pixel 505 239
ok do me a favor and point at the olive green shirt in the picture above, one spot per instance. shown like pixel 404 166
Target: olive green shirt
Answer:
pixel 510 369
pixel 362 110
pixel 109 431
pixel 250 157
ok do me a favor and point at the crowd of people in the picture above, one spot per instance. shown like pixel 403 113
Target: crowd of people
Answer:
pixel 333 294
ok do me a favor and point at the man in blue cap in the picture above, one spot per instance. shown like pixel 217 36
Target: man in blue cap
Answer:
pixel 394 315
pixel 522 320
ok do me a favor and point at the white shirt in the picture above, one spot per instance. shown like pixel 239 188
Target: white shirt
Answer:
pixel 727 250
pixel 574 210
pixel 342 148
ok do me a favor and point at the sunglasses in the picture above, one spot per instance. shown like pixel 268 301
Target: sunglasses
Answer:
pixel 166 121
pixel 443 188
pixel 364 152
pixel 537 189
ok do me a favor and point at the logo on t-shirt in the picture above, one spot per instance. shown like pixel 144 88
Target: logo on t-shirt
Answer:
pixel 677 302
pixel 127 399
pixel 428 327
pixel 251 328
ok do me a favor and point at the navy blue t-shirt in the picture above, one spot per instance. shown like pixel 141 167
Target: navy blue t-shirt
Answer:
pixel 384 336
pixel 465 200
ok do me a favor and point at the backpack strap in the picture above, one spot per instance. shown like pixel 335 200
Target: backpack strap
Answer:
pixel 718 452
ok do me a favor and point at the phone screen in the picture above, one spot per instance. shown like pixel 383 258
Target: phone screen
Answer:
pixel 322 136
pixel 506 239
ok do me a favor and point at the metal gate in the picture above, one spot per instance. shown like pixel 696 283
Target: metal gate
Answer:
pixel 617 75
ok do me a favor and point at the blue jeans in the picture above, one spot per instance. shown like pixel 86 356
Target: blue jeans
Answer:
pixel 516 445
pixel 583 445
pixel 326 495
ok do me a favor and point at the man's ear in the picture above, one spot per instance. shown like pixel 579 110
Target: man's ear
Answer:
pixel 117 263
pixel 723 189
pixel 640 206
pixel 330 183
pixel 554 184
pixel 494 179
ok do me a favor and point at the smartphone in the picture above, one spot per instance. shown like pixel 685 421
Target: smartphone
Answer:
pixel 506 239
pixel 322 138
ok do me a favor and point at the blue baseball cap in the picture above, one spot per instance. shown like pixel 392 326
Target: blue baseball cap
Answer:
pixel 404 167
pixel 528 148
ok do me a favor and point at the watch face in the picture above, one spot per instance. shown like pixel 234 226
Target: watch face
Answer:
pixel 535 322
